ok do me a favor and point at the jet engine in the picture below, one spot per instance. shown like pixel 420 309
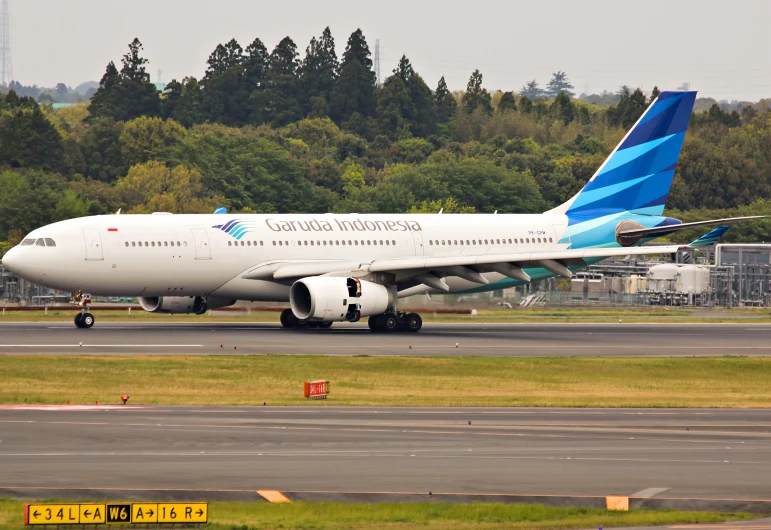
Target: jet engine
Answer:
pixel 182 304
pixel 329 298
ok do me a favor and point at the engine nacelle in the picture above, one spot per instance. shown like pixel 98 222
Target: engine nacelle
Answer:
pixel 182 304
pixel 330 298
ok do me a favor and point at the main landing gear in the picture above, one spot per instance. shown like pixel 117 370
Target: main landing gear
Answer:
pixel 288 320
pixel 396 321
pixel 84 319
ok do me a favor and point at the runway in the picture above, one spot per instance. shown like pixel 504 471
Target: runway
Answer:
pixel 525 340
pixel 332 451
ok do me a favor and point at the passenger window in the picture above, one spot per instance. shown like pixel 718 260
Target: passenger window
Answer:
pixel 40 242
pixel 133 243
pixel 50 242
pixel 126 243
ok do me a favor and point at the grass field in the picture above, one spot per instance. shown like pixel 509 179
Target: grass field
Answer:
pixel 560 314
pixel 339 516
pixel 391 381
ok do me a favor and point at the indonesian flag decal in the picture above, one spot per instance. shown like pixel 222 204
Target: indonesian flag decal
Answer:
pixel 112 229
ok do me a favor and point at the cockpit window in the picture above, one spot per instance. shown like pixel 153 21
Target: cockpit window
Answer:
pixel 27 242
pixel 40 242
pixel 50 242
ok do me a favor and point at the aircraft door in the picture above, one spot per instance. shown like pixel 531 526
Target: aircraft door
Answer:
pixel 202 250
pixel 417 239
pixel 93 244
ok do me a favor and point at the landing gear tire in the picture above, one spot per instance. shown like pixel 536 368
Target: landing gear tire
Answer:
pixel 290 321
pixel 84 320
pixel 398 321
pixel 389 323
pixel 413 322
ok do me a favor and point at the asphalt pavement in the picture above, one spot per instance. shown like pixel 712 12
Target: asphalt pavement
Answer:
pixel 328 452
pixel 522 340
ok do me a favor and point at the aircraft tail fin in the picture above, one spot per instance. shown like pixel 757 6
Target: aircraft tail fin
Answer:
pixel 637 175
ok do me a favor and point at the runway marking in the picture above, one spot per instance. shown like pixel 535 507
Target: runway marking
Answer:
pixel 647 493
pixel 101 345
pixel 272 496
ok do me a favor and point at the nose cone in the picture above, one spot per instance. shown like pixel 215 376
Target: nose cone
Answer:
pixel 11 260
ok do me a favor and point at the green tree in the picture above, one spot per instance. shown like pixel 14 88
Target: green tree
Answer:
pixel 448 205
pixel 559 83
pixel 126 94
pixel 28 199
pixel 255 72
pixel 405 104
pixel 318 74
pixel 100 147
pixel 507 102
pixel 153 186
pixel 282 90
pixel 105 102
pixel 563 108
pixel 223 97
pixel 183 101
pixel 354 91
pixel 476 97
pixel 629 108
pixel 531 90
pixel 145 139
pixel 446 105
pixel 27 138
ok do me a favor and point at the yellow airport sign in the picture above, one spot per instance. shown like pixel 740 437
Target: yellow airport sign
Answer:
pixel 92 514
pixel 116 513
pixel 52 514
pixel 144 512
pixel 183 512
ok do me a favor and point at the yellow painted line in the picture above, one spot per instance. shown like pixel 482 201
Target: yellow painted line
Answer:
pixel 272 496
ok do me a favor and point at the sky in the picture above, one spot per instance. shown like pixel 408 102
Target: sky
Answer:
pixel 721 48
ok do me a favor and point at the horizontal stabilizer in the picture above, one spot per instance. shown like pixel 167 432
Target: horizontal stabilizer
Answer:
pixel 657 231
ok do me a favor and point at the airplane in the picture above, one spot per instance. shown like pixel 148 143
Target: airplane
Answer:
pixel 345 267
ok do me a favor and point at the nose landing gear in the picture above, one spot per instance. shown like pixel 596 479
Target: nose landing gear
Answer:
pixel 84 319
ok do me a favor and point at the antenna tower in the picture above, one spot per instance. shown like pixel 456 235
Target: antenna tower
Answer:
pixel 6 67
pixel 377 59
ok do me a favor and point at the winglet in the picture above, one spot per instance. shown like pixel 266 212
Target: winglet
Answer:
pixel 710 238
pixel 220 210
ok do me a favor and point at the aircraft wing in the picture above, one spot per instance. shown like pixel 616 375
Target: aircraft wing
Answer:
pixel 431 270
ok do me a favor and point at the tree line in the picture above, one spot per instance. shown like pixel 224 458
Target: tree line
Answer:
pixel 271 132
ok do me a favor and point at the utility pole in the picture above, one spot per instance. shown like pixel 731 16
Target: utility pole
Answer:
pixel 377 60
pixel 6 67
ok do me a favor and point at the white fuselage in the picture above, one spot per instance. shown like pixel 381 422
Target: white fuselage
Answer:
pixel 194 255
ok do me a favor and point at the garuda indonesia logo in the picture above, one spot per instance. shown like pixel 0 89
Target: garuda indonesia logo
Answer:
pixel 236 228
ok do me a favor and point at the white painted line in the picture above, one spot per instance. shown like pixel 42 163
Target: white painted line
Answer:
pixel 647 493
pixel 101 346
